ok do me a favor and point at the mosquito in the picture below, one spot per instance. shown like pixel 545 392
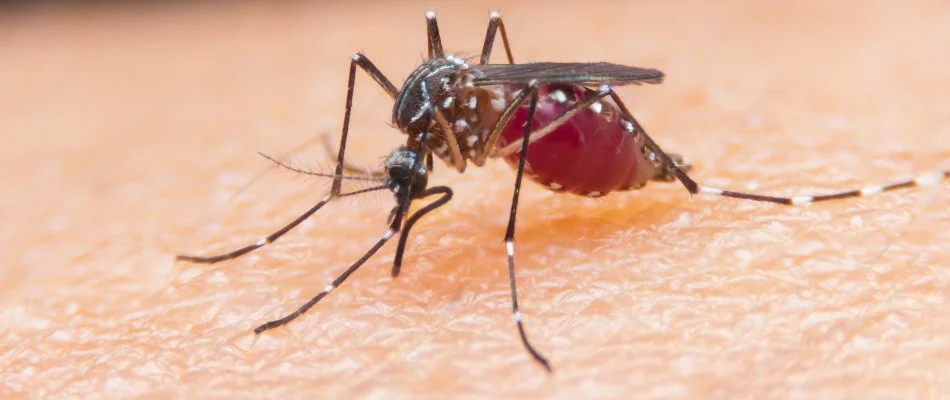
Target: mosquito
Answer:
pixel 582 140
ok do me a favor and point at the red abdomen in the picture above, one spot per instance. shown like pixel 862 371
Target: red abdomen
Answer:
pixel 593 153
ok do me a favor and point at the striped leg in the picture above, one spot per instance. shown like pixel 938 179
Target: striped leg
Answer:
pixel 495 24
pixel 367 66
pixel 273 236
pixel 695 188
pixel 532 90
pixel 403 200
pixel 446 193
pixel 393 229
pixel 434 38
pixel 921 180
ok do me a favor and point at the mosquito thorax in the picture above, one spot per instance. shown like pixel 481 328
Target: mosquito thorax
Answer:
pixel 442 88
pixel 399 172
pixel 428 86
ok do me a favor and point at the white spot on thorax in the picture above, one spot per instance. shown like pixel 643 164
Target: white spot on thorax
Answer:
pixel 457 60
pixel 425 106
pixel 472 102
pixel 448 102
pixel 498 104
pixel 558 96
pixel 461 125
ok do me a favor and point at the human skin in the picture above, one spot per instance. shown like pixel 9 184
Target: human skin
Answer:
pixel 127 130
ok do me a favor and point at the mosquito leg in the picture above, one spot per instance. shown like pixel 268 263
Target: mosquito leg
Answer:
pixel 695 188
pixel 336 282
pixel 367 66
pixel 358 60
pixel 273 236
pixel 377 75
pixel 348 166
pixel 385 84
pixel 446 193
pixel 495 24
pixel 402 206
pixel 451 141
pixel 510 232
pixel 435 40
pixel 921 180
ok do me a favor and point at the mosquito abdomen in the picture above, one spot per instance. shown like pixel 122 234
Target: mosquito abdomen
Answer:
pixel 594 153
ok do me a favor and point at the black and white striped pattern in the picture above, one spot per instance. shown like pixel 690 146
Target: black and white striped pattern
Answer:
pixel 921 180
pixel 695 188
pixel 327 289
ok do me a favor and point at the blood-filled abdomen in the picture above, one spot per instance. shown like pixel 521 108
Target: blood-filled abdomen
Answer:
pixel 595 152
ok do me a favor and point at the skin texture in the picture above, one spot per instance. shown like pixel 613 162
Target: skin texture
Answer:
pixel 127 130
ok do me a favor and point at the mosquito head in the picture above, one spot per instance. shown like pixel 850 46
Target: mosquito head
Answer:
pixel 400 174
pixel 427 87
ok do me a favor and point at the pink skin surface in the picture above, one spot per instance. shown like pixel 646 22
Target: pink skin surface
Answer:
pixel 129 127
pixel 590 154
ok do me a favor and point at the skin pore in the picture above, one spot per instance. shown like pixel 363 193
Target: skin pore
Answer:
pixel 129 129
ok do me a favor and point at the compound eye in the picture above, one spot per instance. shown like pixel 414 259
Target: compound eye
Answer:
pixel 401 176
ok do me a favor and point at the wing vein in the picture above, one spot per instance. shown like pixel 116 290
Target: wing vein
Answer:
pixel 591 74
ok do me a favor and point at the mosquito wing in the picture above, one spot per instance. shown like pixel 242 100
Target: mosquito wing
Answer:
pixel 586 74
